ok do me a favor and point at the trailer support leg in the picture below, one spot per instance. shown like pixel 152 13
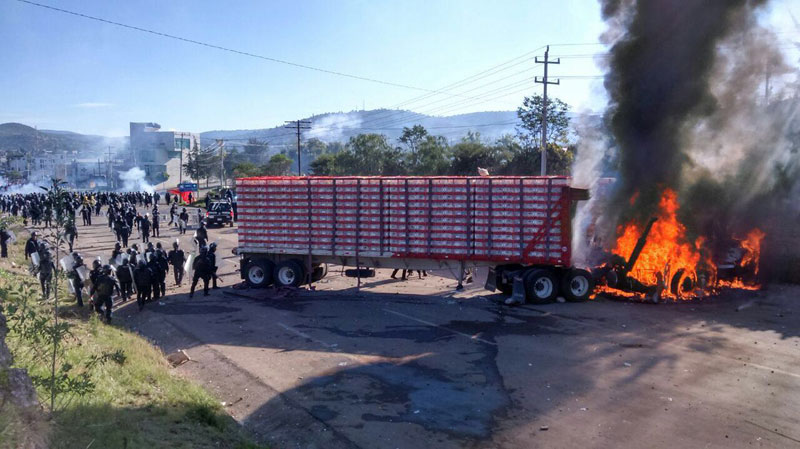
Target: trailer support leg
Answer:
pixel 460 285
pixel 517 293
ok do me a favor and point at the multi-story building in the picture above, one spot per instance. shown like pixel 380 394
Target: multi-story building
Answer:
pixel 87 173
pixel 151 148
pixel 36 168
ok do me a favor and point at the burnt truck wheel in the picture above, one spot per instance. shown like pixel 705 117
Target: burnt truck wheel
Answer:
pixel 258 273
pixel 577 285
pixel 683 283
pixel 288 273
pixel 540 286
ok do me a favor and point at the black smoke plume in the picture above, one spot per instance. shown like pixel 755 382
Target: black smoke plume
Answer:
pixel 659 84
pixel 700 101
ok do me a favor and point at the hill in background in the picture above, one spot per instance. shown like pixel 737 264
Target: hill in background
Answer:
pixel 16 137
pixel 340 126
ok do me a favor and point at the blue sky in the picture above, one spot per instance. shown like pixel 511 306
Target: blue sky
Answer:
pixel 63 72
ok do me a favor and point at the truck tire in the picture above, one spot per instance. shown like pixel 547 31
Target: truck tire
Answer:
pixel 258 273
pixel 540 286
pixel 577 285
pixel 288 273
pixel 320 271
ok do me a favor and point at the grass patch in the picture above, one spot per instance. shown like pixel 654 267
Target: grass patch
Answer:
pixel 137 401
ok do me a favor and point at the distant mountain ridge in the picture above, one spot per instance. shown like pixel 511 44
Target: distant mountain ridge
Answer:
pixel 16 138
pixel 329 127
pixel 340 126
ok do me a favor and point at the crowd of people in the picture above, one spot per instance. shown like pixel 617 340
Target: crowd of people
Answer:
pixel 139 268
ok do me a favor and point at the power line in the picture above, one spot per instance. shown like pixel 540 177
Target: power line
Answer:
pixel 447 127
pixel 391 114
pixel 430 92
pixel 480 75
pixel 460 104
pixel 230 50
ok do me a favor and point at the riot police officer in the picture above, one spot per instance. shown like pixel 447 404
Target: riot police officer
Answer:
pixel 144 279
pixel 202 270
pixel 176 259
pixel 104 289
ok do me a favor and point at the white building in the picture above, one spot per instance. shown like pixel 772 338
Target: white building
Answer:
pixel 47 166
pixel 151 148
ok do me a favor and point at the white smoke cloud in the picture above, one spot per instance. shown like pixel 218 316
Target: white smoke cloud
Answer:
pixel 331 128
pixel 133 180
pixel 594 148
pixel 24 189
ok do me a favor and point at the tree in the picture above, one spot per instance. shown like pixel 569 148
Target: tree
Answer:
pixel 192 165
pixel 530 114
pixel 526 162
pixel 201 163
pixel 424 154
pixel 324 165
pixel 232 160
pixel 412 137
pixel 246 169
pixel 314 148
pixel 468 155
pixel 255 150
pixel 278 165
pixel 372 153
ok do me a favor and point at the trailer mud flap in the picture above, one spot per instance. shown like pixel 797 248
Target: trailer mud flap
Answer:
pixel 517 292
pixel 491 280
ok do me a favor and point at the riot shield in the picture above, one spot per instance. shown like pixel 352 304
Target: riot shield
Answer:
pixel 83 273
pixel 67 262
pixel 188 267
pixel 133 279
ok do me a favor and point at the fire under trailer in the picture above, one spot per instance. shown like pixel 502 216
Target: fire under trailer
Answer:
pixel 290 228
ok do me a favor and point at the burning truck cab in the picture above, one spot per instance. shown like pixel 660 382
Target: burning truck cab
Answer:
pixel 658 261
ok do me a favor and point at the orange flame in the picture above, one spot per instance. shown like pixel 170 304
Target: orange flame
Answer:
pixel 669 260
pixel 666 251
pixel 752 246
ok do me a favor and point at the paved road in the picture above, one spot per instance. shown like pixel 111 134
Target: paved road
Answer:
pixel 412 364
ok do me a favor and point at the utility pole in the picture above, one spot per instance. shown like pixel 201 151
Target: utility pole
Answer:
pixel 299 125
pixel 221 143
pixel 544 81
pixel 180 169
pixel 108 170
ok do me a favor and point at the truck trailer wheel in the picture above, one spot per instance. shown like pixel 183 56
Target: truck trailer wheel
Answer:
pixel 258 273
pixel 540 286
pixel 289 273
pixel 577 285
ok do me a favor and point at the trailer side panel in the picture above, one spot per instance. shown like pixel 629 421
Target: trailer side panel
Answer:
pixel 488 218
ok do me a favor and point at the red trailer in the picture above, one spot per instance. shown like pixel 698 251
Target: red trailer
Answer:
pixel 519 226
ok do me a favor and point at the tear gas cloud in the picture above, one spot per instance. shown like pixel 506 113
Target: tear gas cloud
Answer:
pixel 133 180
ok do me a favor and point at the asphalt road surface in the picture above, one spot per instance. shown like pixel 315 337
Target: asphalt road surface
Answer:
pixel 412 364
